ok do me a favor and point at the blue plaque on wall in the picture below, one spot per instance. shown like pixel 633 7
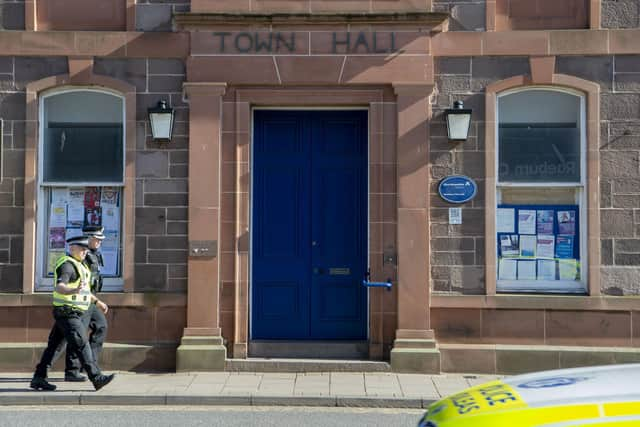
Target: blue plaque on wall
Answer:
pixel 457 189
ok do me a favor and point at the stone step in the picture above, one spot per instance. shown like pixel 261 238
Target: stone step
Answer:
pixel 305 365
pixel 358 350
pixel 414 343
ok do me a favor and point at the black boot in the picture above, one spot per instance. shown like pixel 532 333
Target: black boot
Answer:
pixel 75 377
pixel 39 383
pixel 102 380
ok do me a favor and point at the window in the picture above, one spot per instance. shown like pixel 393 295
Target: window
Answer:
pixel 540 221
pixel 81 174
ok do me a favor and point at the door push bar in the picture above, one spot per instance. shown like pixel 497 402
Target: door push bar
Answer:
pixel 368 284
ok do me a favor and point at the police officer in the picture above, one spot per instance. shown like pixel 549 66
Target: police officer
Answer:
pixel 95 318
pixel 71 299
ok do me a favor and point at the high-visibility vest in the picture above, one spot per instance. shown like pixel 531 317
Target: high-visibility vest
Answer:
pixel 81 300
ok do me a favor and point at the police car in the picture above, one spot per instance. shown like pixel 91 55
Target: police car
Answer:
pixel 604 396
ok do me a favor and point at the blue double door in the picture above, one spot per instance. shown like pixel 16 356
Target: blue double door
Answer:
pixel 309 237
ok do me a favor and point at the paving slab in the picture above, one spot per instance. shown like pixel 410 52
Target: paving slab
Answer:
pixel 354 389
pixel 449 384
pixel 418 386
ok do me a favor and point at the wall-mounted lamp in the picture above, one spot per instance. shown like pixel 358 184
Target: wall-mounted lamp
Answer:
pixel 458 121
pixel 161 119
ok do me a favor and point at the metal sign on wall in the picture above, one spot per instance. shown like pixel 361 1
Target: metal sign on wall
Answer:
pixel 457 189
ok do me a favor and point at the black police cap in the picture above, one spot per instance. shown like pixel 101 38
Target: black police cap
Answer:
pixel 78 241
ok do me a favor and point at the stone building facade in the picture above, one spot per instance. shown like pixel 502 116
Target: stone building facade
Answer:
pixel 404 62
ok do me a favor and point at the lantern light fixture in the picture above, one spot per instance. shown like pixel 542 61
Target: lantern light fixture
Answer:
pixel 458 121
pixel 161 120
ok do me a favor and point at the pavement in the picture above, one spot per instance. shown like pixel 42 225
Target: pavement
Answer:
pixel 329 389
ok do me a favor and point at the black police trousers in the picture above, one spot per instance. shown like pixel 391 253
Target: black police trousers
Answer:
pixel 69 326
pixel 97 323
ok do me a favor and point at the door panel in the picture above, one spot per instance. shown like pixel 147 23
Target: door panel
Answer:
pixel 339 222
pixel 281 227
pixel 309 225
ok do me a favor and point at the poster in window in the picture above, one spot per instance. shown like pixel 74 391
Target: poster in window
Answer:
pixel 564 246
pixel 110 217
pixel 75 196
pixel 528 245
pixel 545 246
pixel 59 196
pixel 110 259
pixel 507 269
pixel 526 221
pixel 509 245
pixel 527 270
pixel 566 222
pixel 91 198
pixel 75 207
pixel 505 222
pixel 111 240
pixel 544 222
pixel 546 269
pixel 56 238
pixel 109 197
pixel 52 259
pixel 58 216
pixel 568 269
pixel 93 216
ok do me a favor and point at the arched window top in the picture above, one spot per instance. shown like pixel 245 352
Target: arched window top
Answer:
pixel 539 105
pixel 82 137
pixel 83 106
pixel 540 136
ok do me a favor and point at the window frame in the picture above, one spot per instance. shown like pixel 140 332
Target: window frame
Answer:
pixel 42 282
pixel 555 286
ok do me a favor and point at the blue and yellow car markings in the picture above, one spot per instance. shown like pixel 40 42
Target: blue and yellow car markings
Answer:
pixel 496 404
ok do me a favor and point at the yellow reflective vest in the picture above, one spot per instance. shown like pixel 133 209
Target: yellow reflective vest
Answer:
pixel 81 300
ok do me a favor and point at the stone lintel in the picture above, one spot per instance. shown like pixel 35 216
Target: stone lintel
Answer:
pixel 431 19
pixel 204 89
pixel 413 89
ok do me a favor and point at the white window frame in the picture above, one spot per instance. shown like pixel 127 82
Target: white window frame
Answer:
pixel 544 286
pixel 42 282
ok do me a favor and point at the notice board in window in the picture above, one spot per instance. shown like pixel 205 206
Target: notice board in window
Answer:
pixel 538 243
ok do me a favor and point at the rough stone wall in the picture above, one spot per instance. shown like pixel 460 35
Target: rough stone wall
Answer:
pixel 11 14
pixel 156 15
pixel 457 259
pixel 162 169
pixel 469 15
pixel 15 73
pixel 162 174
pixel 620 14
pixel 457 251
pixel 620 176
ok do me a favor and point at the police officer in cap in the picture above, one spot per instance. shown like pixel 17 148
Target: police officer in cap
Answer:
pixel 71 299
pixel 95 317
